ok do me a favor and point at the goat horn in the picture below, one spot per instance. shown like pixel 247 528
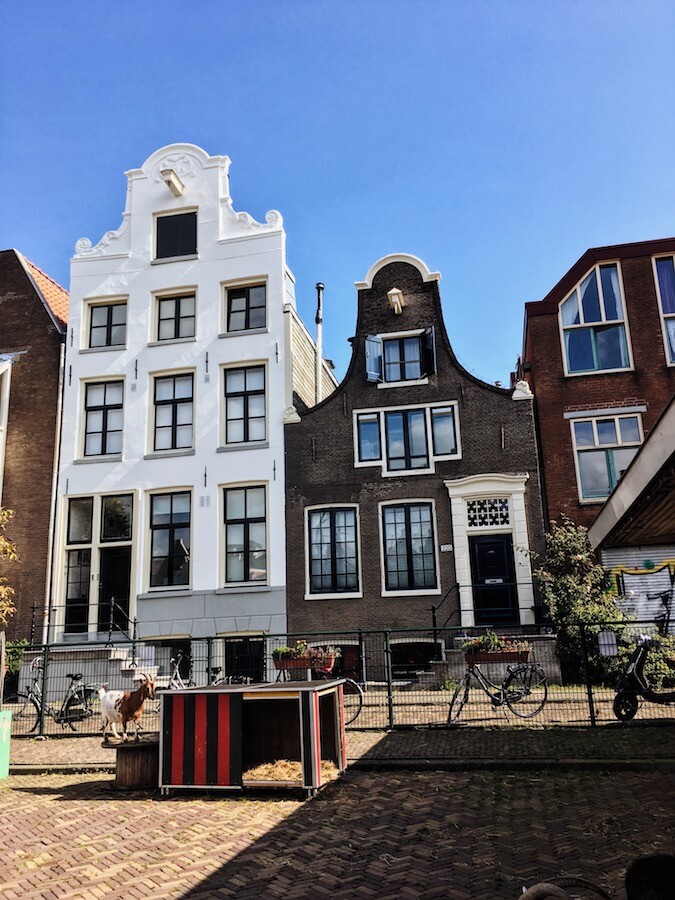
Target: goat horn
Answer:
pixel 147 678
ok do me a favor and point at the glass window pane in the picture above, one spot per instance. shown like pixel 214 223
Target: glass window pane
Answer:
pixel 183 437
pixel 255 379
pixel 255 501
pixel 257 317
pixel 443 426
pixel 235 504
pixel 670 332
pixel 392 351
pixel 235 538
pixel 257 536
pixel 167 330
pixel 187 306
pixel 666 275
pixel 99 337
pixel 622 459
pixel 594 474
pixel 186 327
pixel 417 433
pixel 114 442
pixel 164 416
pixel 93 444
pixel 369 438
pixel 606 431
pixel 118 335
pixel 237 303
pixel 79 520
pixel 570 310
pixel 161 509
pixel 167 308
pixel 579 347
pixel 583 432
pixel 117 514
pixel 163 438
pixel 181 508
pixel 611 344
pixel 609 278
pixel 99 315
pixel 94 421
pixel 234 381
pixel 235 432
pixel 237 321
pixel 183 386
pixel 184 414
pixel 256 405
pixel 256 430
pixel 257 296
pixel 119 314
pixel 235 567
pixel 235 407
pixel 590 301
pixel 630 430
pixel 114 393
pixel 95 394
pixel 164 389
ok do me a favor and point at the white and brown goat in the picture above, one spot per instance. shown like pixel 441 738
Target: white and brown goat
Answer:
pixel 122 707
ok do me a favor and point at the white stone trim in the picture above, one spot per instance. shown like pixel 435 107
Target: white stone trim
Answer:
pixel 485 486
pixel 415 261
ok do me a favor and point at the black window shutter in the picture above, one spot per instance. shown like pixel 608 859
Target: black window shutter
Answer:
pixel 429 349
pixel 373 358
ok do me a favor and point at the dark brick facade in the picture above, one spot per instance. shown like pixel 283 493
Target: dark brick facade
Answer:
pixel 651 383
pixel 497 436
pixel 26 325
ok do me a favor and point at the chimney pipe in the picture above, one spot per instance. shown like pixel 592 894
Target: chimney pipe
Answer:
pixel 318 319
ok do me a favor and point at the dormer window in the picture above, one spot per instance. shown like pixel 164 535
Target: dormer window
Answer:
pixel 593 327
pixel 176 235
pixel 401 358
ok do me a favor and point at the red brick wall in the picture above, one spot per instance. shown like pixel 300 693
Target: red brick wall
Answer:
pixel 652 383
pixel 26 325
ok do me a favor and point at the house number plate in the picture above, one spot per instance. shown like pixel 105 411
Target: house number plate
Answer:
pixel 446 548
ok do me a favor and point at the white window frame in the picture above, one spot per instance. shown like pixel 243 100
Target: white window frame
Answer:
pixel 593 417
pixel 222 554
pixel 81 436
pixel 169 294
pixel 664 316
pixel 414 591
pixel 91 303
pixel 147 532
pixel 562 329
pixel 233 284
pixel 222 430
pixel 337 595
pixel 382 462
pixel 150 435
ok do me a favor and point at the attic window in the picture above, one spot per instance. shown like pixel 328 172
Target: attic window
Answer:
pixel 401 358
pixel 176 235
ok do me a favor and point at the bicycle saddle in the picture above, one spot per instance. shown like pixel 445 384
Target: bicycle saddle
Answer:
pixel 77 677
pixel 216 669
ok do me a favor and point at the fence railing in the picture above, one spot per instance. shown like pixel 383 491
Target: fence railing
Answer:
pixel 409 677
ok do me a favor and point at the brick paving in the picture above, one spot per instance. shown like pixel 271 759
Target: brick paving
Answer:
pixel 617 743
pixel 432 834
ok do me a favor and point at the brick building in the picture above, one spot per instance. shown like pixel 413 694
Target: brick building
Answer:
pixel 415 482
pixel 33 315
pixel 599 355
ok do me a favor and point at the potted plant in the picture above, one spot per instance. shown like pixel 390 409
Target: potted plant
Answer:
pixel 302 656
pixel 490 647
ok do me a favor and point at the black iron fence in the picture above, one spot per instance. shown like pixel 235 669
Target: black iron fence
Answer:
pixel 407 677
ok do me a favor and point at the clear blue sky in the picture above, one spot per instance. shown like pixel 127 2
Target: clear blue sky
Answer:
pixel 495 140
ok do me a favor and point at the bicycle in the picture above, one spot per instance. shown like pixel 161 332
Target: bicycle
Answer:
pixel 178 682
pixel 352 692
pixel 81 702
pixel 524 690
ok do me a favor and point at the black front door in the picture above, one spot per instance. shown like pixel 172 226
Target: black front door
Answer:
pixel 114 585
pixel 493 577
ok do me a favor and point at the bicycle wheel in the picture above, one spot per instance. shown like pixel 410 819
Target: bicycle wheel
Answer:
pixel 458 701
pixel 352 694
pixel 525 690
pixel 625 705
pixel 83 704
pixel 25 713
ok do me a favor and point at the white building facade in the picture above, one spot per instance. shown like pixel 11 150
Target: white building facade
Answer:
pixel 179 378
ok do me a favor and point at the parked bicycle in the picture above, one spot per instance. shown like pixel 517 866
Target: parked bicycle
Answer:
pixel 524 690
pixel 81 702
pixel 352 692
pixel 634 684
pixel 182 680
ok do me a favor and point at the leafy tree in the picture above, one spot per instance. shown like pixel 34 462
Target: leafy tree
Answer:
pixel 573 589
pixel 8 552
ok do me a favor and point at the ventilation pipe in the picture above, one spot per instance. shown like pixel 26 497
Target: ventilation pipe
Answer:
pixel 318 393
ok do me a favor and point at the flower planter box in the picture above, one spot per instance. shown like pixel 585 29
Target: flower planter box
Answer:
pixel 498 656
pixel 305 662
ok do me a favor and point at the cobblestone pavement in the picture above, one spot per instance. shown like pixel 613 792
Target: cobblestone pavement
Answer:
pixel 631 742
pixel 426 834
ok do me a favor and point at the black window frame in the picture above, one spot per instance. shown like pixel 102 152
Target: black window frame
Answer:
pixel 246 521
pixel 334 588
pixel 244 292
pixel 104 409
pixel 173 241
pixel 407 457
pixel 174 403
pixel 412 586
pixel 245 394
pixel 171 527
pixel 109 325
pixel 177 316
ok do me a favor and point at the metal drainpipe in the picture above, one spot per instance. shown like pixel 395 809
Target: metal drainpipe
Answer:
pixel 318 393
pixel 51 548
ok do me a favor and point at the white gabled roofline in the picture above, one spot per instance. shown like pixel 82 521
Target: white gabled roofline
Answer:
pixel 415 261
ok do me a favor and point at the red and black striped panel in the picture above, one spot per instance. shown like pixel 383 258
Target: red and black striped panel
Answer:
pixel 202 739
pixel 311 739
